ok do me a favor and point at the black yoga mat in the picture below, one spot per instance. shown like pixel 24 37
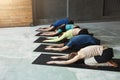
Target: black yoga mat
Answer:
pixel 42 47
pixel 38 34
pixel 43 58
pixel 40 40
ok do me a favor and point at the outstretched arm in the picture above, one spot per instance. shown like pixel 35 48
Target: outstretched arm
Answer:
pixel 60 57
pixel 45 29
pixel 65 62
pixel 49 33
pixel 56 39
pixel 56 45
pixel 57 49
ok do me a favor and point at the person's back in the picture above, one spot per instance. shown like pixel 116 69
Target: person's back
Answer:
pixel 56 24
pixel 91 51
pixel 65 36
pixel 65 28
pixel 61 21
pixel 82 40
pixel 68 35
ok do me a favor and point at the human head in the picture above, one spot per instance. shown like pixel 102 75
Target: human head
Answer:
pixel 83 31
pixel 72 55
pixel 76 26
pixel 71 22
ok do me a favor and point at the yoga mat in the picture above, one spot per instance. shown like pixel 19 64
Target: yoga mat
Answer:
pixel 43 58
pixel 38 34
pixel 42 47
pixel 40 40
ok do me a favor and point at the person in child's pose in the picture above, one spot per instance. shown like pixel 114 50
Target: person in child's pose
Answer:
pixel 75 43
pixel 67 35
pixel 56 24
pixel 94 55
pixel 60 30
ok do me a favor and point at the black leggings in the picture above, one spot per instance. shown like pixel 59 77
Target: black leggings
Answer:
pixel 106 56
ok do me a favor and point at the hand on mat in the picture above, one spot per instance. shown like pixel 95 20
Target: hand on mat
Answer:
pixel 45 40
pixel 40 29
pixel 54 57
pixel 56 62
pixel 50 62
pixel 48 47
pixel 43 34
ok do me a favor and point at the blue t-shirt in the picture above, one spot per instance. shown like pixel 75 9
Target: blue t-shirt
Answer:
pixel 65 28
pixel 60 22
pixel 81 41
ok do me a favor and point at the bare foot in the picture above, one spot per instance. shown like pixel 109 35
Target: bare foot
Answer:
pixel 112 63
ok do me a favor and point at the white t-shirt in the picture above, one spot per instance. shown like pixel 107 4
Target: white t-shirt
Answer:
pixel 91 51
